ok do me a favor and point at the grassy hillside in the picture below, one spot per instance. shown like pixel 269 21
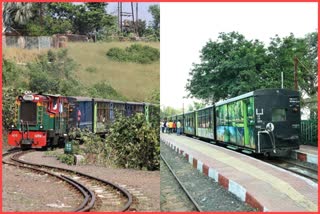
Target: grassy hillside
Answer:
pixel 134 81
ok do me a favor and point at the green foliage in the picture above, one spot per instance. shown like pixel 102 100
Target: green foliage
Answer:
pixel 10 72
pixel 154 32
pixel 196 106
pixel 155 12
pixel 232 65
pixel 9 96
pixel 167 111
pixel 66 158
pixel 54 73
pixel 133 143
pixel 91 69
pixel 37 19
pixel 135 53
pixel 154 97
pixel 105 90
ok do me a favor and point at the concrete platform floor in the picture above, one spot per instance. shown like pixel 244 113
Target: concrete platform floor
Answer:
pixel 262 185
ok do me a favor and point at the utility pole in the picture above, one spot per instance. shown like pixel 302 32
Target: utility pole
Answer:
pixel 133 23
pixel 118 16
pixel 296 73
pixel 122 14
pixel 121 17
pixel 137 18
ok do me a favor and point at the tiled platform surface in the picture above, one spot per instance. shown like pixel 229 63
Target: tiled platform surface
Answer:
pixel 261 185
pixel 306 153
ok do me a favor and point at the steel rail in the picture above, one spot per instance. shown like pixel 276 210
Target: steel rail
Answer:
pixel 82 189
pixel 115 186
pixel 180 183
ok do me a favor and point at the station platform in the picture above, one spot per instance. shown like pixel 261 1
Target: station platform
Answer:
pixel 306 153
pixel 261 185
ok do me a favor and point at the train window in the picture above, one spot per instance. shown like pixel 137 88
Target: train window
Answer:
pixel 278 115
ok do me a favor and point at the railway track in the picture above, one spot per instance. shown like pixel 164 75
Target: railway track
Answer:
pixel 295 167
pixel 98 194
pixel 192 205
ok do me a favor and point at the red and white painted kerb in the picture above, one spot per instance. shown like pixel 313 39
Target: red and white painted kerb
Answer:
pixel 305 157
pixel 228 184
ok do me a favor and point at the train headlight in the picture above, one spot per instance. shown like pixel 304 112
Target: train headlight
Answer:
pixel 41 127
pixel 12 126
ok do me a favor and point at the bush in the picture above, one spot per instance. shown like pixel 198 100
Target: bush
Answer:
pixel 54 73
pixel 104 90
pixel 9 96
pixel 66 158
pixel 133 143
pixel 135 53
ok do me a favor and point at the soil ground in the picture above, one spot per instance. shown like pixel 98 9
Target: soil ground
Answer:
pixel 24 190
pixel 144 184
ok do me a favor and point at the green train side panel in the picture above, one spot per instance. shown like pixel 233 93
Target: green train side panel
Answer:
pixel 205 123
pixel 235 123
pixel 95 113
pixel 222 124
pixel 146 112
pixel 196 122
pixel 251 122
pixel 189 124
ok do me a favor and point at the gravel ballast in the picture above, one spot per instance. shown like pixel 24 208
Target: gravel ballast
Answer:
pixel 209 195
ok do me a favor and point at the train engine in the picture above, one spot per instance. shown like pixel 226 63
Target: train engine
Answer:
pixel 40 120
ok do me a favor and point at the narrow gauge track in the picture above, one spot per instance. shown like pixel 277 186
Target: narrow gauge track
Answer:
pixel 89 197
pixel 110 197
pixel 195 204
pixel 295 167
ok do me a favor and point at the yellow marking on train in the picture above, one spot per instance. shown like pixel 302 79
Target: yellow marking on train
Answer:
pixel 39 104
pixel 51 115
pixel 277 183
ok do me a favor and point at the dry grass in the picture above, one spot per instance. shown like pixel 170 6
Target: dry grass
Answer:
pixel 21 56
pixel 134 81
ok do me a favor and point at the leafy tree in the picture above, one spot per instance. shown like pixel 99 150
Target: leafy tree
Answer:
pixel 16 15
pixel 92 17
pixel 167 111
pixel 281 53
pixel 229 66
pixel 155 12
pixel 232 65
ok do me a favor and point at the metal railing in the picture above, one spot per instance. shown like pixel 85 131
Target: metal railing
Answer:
pixel 309 132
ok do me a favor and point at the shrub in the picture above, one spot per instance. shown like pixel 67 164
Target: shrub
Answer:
pixel 66 158
pixel 91 69
pixel 133 143
pixel 105 90
pixel 135 53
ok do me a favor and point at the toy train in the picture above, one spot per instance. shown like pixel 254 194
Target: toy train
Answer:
pixel 265 121
pixel 43 120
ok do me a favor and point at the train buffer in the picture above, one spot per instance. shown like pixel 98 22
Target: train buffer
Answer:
pixel 261 185
pixel 306 153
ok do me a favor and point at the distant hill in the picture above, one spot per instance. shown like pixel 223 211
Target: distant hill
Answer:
pixel 134 81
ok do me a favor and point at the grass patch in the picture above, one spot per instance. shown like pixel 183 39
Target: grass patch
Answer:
pixel 138 53
pixel 91 69
pixel 133 80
